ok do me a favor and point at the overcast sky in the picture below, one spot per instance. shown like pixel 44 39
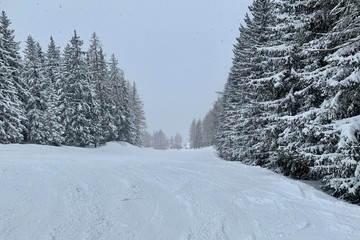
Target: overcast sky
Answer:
pixel 177 51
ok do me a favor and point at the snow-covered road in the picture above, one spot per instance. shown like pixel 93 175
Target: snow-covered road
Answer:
pixel 123 192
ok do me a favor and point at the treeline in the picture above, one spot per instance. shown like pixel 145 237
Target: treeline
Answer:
pixel 203 131
pixel 292 99
pixel 159 140
pixel 74 97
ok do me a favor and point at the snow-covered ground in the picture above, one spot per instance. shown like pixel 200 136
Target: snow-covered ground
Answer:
pixel 123 192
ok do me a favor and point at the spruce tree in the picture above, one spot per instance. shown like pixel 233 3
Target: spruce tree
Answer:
pixel 337 118
pixel 97 70
pixel 160 140
pixel 291 101
pixel 147 140
pixel 198 141
pixel 138 115
pixel 314 141
pixel 210 124
pixel 79 98
pixel 177 141
pixel 296 93
pixel 122 125
pixel 196 134
pixel 192 134
pixel 33 75
pixel 249 89
pixel 53 77
pixel 12 89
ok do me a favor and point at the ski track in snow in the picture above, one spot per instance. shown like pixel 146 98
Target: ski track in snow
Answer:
pixel 123 192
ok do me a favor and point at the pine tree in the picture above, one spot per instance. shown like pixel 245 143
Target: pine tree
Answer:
pixel 231 107
pixel 76 100
pixel 315 135
pixel 121 124
pixel 12 90
pixel 249 89
pixel 147 140
pixel 210 124
pixel 97 70
pixel 196 134
pixel 33 75
pixel 138 119
pixel 171 143
pixel 54 127
pixel 291 101
pixel 79 98
pixel 296 92
pixel 198 141
pixel 177 141
pixel 160 140
pixel 337 118
pixel 192 134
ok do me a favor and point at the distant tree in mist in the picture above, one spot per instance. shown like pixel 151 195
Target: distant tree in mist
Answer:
pixel 176 141
pixel 160 140
pixel 138 114
pixel 203 132
pixel 147 139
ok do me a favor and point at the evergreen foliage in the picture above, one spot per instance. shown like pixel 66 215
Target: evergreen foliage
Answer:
pixel 192 133
pixel 81 128
pixel 73 98
pixel 177 142
pixel 53 77
pixel 291 101
pixel 147 140
pixel 12 90
pixel 160 140
pixel 36 105
pixel 138 115
pixel 121 123
pixel 97 71
pixel 203 133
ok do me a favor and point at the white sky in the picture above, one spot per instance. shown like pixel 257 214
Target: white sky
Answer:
pixel 178 52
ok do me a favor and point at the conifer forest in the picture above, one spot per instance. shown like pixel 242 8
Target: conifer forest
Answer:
pixel 291 102
pixel 73 97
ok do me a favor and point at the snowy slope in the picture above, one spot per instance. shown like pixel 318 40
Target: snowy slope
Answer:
pixel 122 192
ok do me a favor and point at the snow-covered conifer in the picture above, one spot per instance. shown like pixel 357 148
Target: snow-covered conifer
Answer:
pixel 97 71
pixel 210 124
pixel 160 140
pixel 192 134
pixel 138 115
pixel 12 90
pixel 337 119
pixel 53 77
pixel 122 124
pixel 36 106
pixel 79 98
pixel 177 141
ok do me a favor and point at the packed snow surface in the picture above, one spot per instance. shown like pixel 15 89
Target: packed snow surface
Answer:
pixel 123 192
